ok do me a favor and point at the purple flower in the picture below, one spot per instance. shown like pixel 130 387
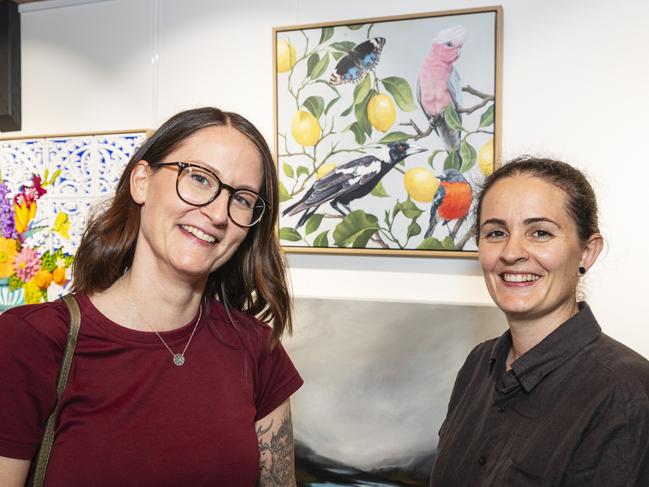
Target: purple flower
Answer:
pixel 7 224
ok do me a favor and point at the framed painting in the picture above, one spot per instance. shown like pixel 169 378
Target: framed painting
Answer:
pixel 384 129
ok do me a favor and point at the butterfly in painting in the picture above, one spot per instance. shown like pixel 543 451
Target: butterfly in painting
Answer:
pixel 358 62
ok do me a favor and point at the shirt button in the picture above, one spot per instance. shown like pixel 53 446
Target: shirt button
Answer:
pixel 482 460
pixel 501 408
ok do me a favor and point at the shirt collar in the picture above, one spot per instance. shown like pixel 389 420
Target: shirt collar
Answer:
pixel 551 352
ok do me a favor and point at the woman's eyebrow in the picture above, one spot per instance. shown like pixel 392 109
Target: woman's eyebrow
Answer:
pixel 492 221
pixel 538 219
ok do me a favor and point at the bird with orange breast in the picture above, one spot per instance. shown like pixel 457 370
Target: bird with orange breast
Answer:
pixel 452 199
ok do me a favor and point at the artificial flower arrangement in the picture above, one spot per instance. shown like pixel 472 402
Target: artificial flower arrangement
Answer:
pixel 21 266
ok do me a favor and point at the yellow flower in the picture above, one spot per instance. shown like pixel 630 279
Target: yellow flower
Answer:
pixel 7 255
pixel 33 293
pixel 42 279
pixel 23 214
pixel 62 225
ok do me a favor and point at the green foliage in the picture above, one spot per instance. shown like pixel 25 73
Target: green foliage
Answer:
pixel 448 243
pixel 355 229
pixel 361 90
pixel 430 243
pixel 15 283
pixel 283 193
pixel 288 170
pixel 379 191
pixel 431 158
pixel 359 133
pixel 400 91
pixel 394 137
pixel 452 118
pixel 355 26
pixel 327 33
pixel 343 46
pixel 315 104
pixel 413 229
pixel 453 160
pixel 313 223
pixel 487 118
pixel 320 67
pixel 360 110
pixel 321 240
pixel 302 171
pixel 468 155
pixel 290 234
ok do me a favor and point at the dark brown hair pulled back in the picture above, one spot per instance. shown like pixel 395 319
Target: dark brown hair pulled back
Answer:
pixel 254 279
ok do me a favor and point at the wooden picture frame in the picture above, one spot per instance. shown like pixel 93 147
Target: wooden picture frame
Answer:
pixel 384 129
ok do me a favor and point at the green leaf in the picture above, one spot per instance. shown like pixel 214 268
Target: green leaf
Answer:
pixel 343 46
pixel 400 91
pixel 487 118
pixel 379 191
pixel 361 90
pixel 283 193
pixel 452 118
pixel 386 219
pixel 359 133
pixel 320 68
pixel 313 223
pixel 394 137
pixel 410 210
pixel 360 242
pixel 453 160
pixel 315 104
pixel 448 243
pixel 327 33
pixel 430 243
pixel 347 111
pixel 355 26
pixel 331 104
pixel 360 110
pixel 337 55
pixel 413 229
pixel 431 158
pixel 397 208
pixel 290 234
pixel 302 170
pixel 468 155
pixel 354 226
pixel 321 240
pixel 311 63
pixel 288 170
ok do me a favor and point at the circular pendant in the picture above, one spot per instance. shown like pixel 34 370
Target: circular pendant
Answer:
pixel 179 359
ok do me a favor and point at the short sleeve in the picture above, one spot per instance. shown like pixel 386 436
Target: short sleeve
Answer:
pixel 28 370
pixel 277 380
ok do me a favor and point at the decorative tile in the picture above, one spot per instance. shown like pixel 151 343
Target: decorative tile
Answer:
pixel 78 211
pixel 113 153
pixel 74 157
pixel 19 159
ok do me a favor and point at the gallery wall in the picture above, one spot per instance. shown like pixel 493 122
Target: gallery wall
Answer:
pixel 574 87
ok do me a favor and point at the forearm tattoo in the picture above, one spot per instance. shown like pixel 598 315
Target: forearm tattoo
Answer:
pixel 277 463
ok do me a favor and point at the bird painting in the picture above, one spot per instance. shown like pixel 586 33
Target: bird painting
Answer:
pixel 452 200
pixel 350 181
pixel 438 83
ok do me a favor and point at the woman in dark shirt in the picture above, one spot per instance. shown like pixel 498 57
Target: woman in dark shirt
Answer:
pixel 553 401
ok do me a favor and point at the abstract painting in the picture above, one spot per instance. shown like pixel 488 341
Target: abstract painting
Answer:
pixel 384 128
pixel 377 381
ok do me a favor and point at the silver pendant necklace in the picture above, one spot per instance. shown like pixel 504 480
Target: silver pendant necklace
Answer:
pixel 177 358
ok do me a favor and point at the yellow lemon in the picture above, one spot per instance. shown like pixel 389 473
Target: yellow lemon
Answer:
pixel 325 169
pixel 305 128
pixel 286 56
pixel 381 112
pixel 421 184
pixel 486 157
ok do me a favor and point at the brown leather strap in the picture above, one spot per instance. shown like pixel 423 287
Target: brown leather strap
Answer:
pixel 70 344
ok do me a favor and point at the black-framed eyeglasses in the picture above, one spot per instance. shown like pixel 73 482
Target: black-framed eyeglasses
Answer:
pixel 198 186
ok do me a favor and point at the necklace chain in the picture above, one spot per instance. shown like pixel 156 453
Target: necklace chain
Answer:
pixel 178 358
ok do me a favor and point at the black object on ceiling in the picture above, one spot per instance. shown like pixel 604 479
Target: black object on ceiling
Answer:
pixel 10 118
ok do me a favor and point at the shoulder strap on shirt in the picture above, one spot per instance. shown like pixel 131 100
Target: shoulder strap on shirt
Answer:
pixel 70 344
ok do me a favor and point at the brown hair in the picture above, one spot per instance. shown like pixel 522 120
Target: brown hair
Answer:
pixel 253 280
pixel 581 202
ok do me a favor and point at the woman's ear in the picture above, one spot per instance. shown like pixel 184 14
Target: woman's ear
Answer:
pixel 140 175
pixel 591 251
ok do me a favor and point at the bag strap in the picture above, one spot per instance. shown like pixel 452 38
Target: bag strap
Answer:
pixel 70 344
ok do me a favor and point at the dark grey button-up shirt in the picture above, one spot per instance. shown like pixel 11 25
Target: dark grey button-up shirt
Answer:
pixel 572 411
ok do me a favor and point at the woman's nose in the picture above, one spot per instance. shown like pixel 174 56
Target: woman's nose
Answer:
pixel 217 210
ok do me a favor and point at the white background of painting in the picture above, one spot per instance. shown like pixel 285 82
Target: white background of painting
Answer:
pixel 574 86
pixel 407 43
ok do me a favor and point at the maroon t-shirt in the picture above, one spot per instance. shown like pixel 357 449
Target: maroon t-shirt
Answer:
pixel 129 416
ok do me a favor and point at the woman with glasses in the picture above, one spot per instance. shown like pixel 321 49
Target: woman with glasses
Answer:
pixel 175 379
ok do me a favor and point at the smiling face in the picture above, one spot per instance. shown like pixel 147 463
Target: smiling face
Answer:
pixel 530 251
pixel 185 240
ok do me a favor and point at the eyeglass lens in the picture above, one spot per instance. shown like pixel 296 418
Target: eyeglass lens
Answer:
pixel 197 187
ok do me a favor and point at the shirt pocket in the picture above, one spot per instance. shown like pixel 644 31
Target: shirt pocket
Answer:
pixel 519 475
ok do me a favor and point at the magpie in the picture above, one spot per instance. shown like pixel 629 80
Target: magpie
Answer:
pixel 349 181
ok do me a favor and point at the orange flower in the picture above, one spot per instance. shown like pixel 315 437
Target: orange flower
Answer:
pixel 59 276
pixel 23 214
pixel 42 279
pixel 7 255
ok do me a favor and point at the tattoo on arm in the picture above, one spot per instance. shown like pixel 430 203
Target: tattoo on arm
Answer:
pixel 277 462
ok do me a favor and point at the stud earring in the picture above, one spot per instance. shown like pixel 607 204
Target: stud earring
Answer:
pixel 582 270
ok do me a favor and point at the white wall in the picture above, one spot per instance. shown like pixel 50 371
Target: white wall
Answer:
pixel 575 85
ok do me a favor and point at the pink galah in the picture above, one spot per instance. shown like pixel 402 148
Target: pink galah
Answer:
pixel 438 83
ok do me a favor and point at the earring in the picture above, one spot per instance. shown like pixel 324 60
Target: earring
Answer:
pixel 582 270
